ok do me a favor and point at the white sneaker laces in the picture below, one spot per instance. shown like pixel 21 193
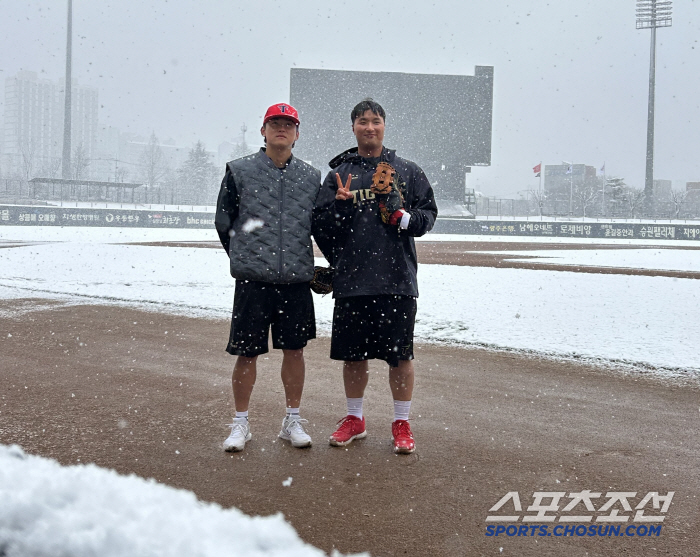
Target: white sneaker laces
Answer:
pixel 296 424
pixel 234 427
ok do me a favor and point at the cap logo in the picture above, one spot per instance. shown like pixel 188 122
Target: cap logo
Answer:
pixel 282 107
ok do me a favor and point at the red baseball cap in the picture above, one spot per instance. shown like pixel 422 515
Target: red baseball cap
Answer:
pixel 282 110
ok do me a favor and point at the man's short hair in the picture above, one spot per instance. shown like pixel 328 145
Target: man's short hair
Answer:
pixel 364 106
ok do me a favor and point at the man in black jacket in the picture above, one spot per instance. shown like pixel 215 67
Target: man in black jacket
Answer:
pixel 370 207
pixel 263 217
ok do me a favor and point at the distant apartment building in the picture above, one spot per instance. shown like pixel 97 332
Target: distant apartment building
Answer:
pixel 692 192
pixel 33 125
pixel 662 190
pixel 563 180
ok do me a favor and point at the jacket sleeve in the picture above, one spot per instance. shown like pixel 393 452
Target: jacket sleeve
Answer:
pixel 331 218
pixel 226 208
pixel 423 209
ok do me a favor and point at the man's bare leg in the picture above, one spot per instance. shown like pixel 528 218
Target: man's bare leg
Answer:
pixel 242 381
pixel 293 372
pixel 401 380
pixel 355 378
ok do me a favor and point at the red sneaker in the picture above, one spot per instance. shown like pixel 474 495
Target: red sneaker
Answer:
pixel 403 437
pixel 349 429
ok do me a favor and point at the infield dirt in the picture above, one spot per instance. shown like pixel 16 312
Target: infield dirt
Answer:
pixel 149 394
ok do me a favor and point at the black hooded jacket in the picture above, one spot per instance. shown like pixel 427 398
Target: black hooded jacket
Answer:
pixel 370 257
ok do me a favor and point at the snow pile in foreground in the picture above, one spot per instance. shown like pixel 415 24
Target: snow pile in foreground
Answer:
pixel 87 511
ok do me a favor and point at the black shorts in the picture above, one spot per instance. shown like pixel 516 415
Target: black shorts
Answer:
pixel 373 327
pixel 257 306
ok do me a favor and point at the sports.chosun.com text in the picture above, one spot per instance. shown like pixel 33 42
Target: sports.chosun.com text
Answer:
pixel 632 530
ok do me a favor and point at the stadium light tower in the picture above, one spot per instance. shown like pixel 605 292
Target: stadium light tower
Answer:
pixel 652 14
pixel 65 166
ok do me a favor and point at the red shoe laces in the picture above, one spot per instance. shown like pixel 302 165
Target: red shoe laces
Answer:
pixel 402 428
pixel 345 423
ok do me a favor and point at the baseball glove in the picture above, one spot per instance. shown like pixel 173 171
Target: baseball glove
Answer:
pixel 322 283
pixel 383 179
pixel 385 187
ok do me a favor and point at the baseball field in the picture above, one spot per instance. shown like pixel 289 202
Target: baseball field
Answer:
pixel 556 389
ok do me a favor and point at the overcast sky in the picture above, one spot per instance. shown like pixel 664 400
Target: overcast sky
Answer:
pixel 571 78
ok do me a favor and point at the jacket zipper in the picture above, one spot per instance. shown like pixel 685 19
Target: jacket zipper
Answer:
pixel 280 255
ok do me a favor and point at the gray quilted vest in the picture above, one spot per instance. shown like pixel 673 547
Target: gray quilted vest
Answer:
pixel 271 238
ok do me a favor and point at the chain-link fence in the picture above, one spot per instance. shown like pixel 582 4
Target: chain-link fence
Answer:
pixel 688 208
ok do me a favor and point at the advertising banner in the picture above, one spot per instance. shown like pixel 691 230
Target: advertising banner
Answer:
pixel 560 229
pixel 63 216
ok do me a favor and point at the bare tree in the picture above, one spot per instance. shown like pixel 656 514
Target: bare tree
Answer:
pixel 152 165
pixel 28 153
pixel 678 197
pixel 537 198
pixel 635 199
pixel 50 168
pixel 80 163
pixel 121 174
pixel 586 195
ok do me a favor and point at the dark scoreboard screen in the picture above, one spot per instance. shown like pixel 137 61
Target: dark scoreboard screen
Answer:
pixel 442 122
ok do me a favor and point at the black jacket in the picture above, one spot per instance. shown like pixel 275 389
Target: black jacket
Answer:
pixel 370 257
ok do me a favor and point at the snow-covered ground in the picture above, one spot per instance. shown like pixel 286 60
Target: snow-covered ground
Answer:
pixel 556 240
pixel 649 258
pixel 84 511
pixel 133 206
pixel 652 322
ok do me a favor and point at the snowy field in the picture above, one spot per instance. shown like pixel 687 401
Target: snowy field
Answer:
pixel 649 322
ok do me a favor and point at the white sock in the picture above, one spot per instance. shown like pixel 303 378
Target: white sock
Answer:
pixel 291 411
pixel 401 409
pixel 242 414
pixel 355 407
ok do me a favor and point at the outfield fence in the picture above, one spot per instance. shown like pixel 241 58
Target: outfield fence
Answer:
pixel 33 215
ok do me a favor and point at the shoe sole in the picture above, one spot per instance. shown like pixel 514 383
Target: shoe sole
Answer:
pixel 297 445
pixel 404 450
pixel 335 443
pixel 239 449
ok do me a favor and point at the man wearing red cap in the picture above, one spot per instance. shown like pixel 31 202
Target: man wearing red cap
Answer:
pixel 263 218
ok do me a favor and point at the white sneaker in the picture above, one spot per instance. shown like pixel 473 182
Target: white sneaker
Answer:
pixel 240 434
pixel 293 430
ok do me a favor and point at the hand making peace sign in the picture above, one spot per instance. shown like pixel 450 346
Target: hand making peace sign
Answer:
pixel 343 192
